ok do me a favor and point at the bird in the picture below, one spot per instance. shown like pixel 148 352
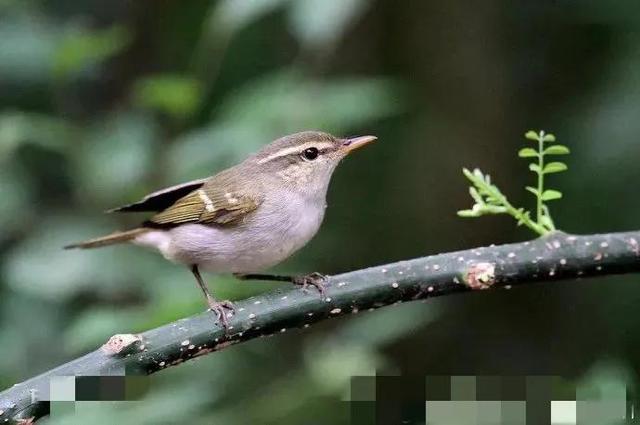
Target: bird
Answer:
pixel 244 219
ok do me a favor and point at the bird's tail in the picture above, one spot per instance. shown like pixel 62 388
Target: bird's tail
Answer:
pixel 112 239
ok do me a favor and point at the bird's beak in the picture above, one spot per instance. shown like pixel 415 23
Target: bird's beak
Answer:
pixel 354 143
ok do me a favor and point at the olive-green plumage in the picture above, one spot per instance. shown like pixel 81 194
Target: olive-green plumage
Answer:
pixel 218 201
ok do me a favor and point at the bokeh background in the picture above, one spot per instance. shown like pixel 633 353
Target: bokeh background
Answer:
pixel 104 101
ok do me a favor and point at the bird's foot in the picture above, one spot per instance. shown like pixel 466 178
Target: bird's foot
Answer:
pixel 221 308
pixel 315 279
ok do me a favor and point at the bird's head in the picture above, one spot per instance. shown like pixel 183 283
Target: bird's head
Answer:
pixel 305 161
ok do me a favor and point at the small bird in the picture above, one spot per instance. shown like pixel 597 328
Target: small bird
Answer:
pixel 246 218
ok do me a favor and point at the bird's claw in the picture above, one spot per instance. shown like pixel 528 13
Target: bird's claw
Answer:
pixel 220 308
pixel 315 279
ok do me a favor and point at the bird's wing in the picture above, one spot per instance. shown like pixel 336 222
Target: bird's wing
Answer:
pixel 213 203
pixel 161 199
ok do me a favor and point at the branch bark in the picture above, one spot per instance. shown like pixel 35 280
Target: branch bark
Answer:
pixel 555 257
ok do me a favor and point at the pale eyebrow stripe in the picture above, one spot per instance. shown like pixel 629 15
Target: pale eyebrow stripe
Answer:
pixel 295 149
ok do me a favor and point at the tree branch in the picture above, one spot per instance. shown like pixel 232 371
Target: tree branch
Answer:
pixel 555 257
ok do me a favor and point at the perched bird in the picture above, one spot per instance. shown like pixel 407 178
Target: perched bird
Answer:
pixel 246 218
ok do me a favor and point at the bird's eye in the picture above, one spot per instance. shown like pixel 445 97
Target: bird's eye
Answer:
pixel 310 154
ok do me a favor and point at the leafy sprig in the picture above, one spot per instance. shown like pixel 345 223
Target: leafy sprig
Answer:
pixel 490 200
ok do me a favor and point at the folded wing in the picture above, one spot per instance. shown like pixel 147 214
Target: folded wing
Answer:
pixel 162 199
pixel 216 200
pixel 207 205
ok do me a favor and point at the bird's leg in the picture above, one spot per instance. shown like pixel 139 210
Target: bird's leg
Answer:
pixel 218 307
pixel 314 279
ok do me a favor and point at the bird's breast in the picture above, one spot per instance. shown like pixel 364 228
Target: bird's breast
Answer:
pixel 265 237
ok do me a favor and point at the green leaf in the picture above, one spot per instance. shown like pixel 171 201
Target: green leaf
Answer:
pixel 84 48
pixel 527 153
pixel 554 167
pixel 475 195
pixel 493 200
pixel 531 135
pixel 467 213
pixel 532 190
pixel 495 209
pixel 556 150
pixel 534 167
pixel 550 195
pixel 549 138
pixel 467 173
pixel 478 174
pixel 173 94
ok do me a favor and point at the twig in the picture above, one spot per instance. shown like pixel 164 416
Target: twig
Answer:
pixel 555 257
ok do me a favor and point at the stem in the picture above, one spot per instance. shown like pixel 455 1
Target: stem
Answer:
pixel 550 224
pixel 515 212
pixel 554 257
pixel 518 215
pixel 540 178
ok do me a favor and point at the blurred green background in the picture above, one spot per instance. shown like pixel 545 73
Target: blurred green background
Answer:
pixel 104 101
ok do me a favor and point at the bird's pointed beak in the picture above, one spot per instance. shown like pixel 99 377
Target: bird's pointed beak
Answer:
pixel 354 143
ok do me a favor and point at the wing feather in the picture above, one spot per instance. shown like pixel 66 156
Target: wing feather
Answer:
pixel 207 205
pixel 161 199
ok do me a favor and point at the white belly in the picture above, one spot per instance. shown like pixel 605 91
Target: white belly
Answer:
pixel 268 236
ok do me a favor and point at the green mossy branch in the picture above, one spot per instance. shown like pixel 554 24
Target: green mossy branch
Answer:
pixel 557 256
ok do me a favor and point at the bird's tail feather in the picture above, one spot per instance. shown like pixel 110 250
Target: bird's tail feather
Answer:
pixel 114 238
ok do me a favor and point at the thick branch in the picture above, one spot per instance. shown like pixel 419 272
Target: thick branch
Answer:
pixel 555 257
